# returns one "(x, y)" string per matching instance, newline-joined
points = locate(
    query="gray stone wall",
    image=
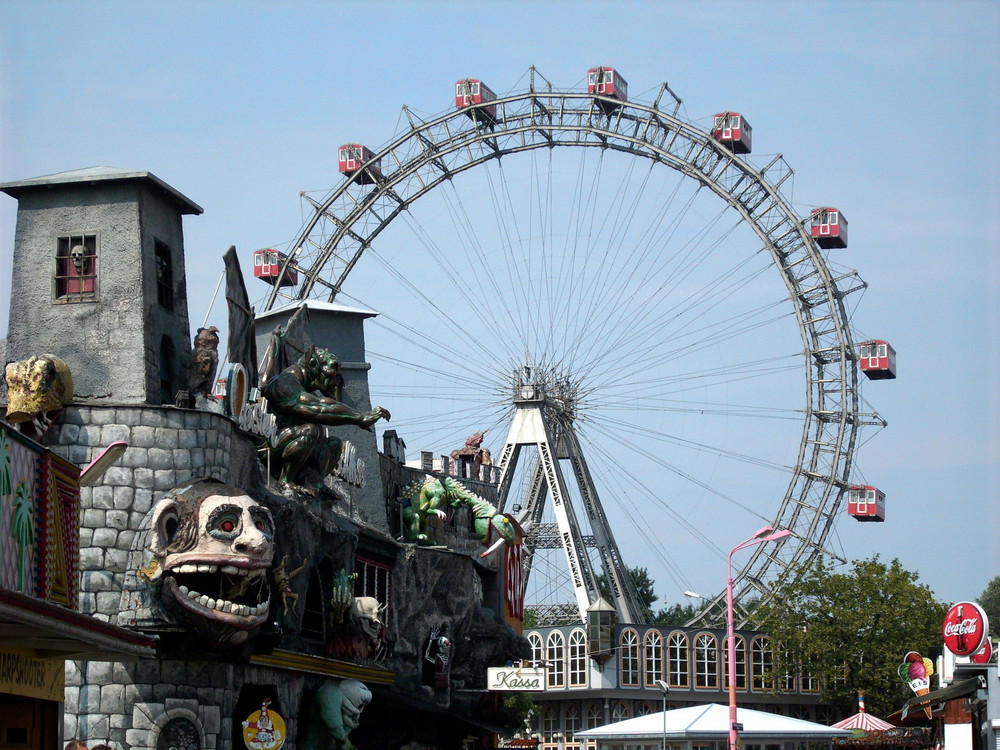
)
(166, 446)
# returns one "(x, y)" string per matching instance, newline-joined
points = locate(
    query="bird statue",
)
(204, 361)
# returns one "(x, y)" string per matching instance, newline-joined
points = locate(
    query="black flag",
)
(242, 336)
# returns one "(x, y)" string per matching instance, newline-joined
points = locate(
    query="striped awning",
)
(863, 721)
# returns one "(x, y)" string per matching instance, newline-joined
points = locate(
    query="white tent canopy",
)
(711, 722)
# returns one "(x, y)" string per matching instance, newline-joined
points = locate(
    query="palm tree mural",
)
(22, 528)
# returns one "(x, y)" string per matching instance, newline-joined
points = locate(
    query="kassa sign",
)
(965, 628)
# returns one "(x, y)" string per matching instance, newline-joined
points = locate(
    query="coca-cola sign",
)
(985, 654)
(965, 628)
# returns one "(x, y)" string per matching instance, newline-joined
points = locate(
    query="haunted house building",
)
(346, 607)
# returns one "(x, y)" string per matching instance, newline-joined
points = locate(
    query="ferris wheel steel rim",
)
(431, 152)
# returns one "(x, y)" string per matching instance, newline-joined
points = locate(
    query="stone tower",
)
(98, 280)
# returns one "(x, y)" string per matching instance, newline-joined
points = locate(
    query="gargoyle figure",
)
(283, 583)
(334, 711)
(434, 496)
(36, 387)
(212, 545)
(204, 362)
(303, 398)
(364, 635)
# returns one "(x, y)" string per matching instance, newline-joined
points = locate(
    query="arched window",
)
(629, 657)
(762, 663)
(555, 655)
(571, 720)
(789, 681)
(810, 683)
(550, 723)
(740, 649)
(652, 650)
(643, 709)
(578, 658)
(537, 653)
(706, 661)
(678, 660)
(619, 712)
(595, 716)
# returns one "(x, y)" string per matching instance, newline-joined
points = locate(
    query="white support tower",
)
(543, 418)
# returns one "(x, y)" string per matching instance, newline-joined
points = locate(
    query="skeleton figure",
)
(335, 711)
(213, 547)
(437, 659)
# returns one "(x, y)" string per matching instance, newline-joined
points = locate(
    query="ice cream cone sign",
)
(916, 671)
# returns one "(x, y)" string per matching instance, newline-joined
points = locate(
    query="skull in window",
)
(78, 254)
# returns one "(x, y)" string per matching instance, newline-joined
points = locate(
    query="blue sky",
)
(884, 109)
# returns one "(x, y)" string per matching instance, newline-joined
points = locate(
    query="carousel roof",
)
(863, 721)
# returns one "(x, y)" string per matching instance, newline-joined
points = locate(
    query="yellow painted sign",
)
(264, 729)
(24, 673)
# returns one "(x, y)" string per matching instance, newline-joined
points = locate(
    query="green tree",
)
(989, 600)
(676, 615)
(852, 629)
(643, 587)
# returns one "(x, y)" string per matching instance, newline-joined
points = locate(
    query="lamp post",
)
(664, 688)
(766, 534)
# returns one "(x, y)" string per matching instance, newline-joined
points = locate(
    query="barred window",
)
(76, 268)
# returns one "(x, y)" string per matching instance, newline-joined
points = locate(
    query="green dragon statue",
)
(434, 496)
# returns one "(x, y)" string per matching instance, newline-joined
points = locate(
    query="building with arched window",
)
(582, 693)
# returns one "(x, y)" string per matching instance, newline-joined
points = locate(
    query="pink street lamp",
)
(766, 534)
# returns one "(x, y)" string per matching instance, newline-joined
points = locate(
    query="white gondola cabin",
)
(866, 503)
(828, 227)
(267, 265)
(607, 82)
(733, 131)
(877, 360)
(471, 92)
(359, 162)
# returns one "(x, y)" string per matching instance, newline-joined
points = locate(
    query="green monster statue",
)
(334, 711)
(434, 496)
(303, 398)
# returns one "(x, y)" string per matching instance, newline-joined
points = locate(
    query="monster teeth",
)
(193, 568)
(193, 595)
(183, 590)
(232, 570)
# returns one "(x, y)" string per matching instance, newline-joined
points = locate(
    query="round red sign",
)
(985, 654)
(965, 628)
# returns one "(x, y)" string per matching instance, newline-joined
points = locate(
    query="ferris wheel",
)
(643, 265)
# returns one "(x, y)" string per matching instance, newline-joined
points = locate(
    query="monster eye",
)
(224, 523)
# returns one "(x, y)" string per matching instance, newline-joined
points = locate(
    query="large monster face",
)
(214, 547)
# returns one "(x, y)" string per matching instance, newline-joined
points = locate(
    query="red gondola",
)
(733, 131)
(359, 161)
(828, 227)
(607, 82)
(470, 92)
(267, 265)
(878, 360)
(866, 503)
